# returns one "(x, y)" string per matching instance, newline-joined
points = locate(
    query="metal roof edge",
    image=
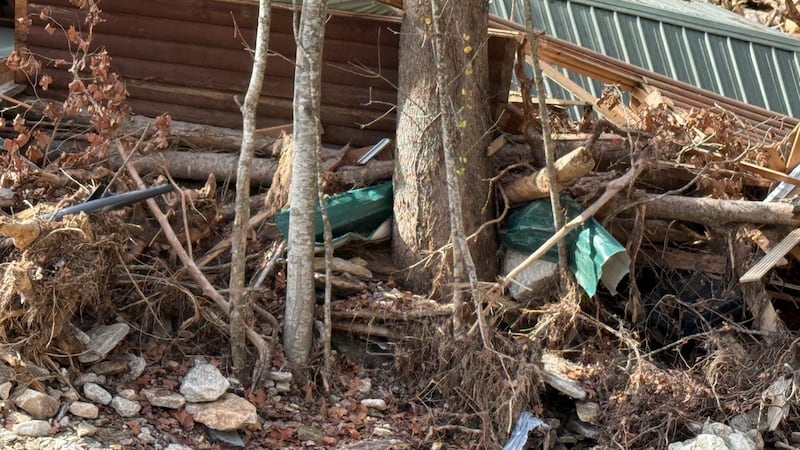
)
(764, 37)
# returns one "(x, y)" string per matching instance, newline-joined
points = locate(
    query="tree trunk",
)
(422, 225)
(299, 319)
(241, 306)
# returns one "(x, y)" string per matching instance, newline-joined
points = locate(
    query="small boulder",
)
(125, 407)
(374, 403)
(37, 404)
(164, 398)
(136, 367)
(229, 413)
(84, 410)
(102, 340)
(33, 428)
(110, 368)
(96, 393)
(203, 383)
(85, 429)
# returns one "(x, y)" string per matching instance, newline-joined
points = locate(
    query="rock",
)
(146, 436)
(110, 368)
(103, 339)
(583, 429)
(794, 438)
(5, 390)
(308, 433)
(283, 386)
(231, 438)
(84, 410)
(177, 447)
(203, 383)
(587, 411)
(365, 386)
(128, 394)
(164, 398)
(85, 429)
(229, 413)
(374, 403)
(96, 393)
(734, 440)
(280, 376)
(7, 437)
(37, 404)
(538, 277)
(34, 428)
(136, 367)
(70, 396)
(125, 407)
(90, 377)
(702, 442)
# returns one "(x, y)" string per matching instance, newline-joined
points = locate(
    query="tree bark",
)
(241, 308)
(422, 224)
(299, 318)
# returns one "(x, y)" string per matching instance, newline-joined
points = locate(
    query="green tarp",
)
(595, 255)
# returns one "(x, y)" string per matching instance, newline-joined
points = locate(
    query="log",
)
(709, 211)
(569, 167)
(367, 174)
(608, 149)
(683, 260)
(199, 136)
(199, 165)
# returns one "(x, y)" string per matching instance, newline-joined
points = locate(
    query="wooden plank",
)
(615, 117)
(774, 256)
(794, 153)
(516, 98)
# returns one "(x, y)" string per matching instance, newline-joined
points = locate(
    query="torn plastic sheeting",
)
(519, 436)
(594, 255)
(359, 214)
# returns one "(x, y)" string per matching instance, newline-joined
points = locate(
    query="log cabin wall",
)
(184, 57)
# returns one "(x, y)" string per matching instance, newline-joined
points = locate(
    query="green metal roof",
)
(698, 43)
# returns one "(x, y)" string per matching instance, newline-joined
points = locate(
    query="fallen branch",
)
(367, 330)
(264, 351)
(569, 167)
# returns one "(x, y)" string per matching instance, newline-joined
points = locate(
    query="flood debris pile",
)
(673, 324)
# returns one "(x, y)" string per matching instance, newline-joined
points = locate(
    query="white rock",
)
(37, 404)
(177, 447)
(276, 375)
(90, 377)
(365, 386)
(125, 407)
(103, 339)
(146, 436)
(35, 428)
(230, 412)
(374, 403)
(85, 410)
(164, 398)
(96, 393)
(71, 396)
(538, 277)
(283, 386)
(203, 383)
(702, 442)
(5, 390)
(128, 394)
(85, 429)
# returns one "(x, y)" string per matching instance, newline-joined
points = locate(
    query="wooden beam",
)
(615, 116)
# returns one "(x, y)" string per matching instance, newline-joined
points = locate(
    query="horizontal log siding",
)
(182, 57)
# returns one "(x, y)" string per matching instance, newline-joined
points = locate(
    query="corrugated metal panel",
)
(698, 43)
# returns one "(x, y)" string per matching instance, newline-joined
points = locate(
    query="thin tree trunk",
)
(241, 307)
(547, 137)
(299, 318)
(462, 258)
(422, 225)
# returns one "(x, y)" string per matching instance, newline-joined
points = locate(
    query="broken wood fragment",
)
(340, 265)
(569, 167)
(690, 261)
